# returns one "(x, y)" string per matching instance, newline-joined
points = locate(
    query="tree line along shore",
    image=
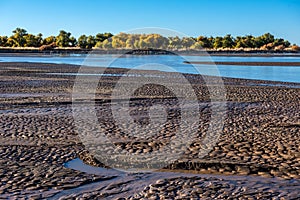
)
(22, 41)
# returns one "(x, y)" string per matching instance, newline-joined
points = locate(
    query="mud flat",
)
(256, 156)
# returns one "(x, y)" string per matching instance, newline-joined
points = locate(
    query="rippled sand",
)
(257, 155)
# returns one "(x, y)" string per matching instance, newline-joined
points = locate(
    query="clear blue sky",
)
(194, 18)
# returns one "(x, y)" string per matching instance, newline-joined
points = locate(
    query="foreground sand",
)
(260, 138)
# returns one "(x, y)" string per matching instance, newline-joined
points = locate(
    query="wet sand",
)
(260, 140)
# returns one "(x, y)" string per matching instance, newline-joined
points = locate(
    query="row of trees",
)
(21, 38)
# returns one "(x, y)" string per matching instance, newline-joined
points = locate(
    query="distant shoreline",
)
(225, 52)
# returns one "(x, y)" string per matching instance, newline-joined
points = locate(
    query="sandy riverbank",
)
(261, 137)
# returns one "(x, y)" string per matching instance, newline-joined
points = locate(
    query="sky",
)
(191, 17)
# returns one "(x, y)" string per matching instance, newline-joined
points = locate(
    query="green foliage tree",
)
(82, 42)
(130, 42)
(18, 37)
(100, 37)
(119, 41)
(91, 41)
(106, 44)
(39, 39)
(217, 43)
(49, 40)
(11, 42)
(3, 41)
(63, 39)
(99, 44)
(286, 43)
(239, 42)
(280, 41)
(30, 41)
(187, 42)
(156, 41)
(136, 44)
(175, 43)
(264, 39)
(197, 46)
(249, 41)
(116, 43)
(267, 38)
(228, 41)
(20, 31)
(73, 42)
(142, 44)
(204, 42)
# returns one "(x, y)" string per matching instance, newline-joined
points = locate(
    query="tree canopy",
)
(21, 38)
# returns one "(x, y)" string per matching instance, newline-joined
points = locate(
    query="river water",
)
(175, 64)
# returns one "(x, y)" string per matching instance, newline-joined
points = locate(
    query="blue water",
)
(247, 59)
(175, 64)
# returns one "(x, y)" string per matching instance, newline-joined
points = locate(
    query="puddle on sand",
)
(128, 184)
(79, 165)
